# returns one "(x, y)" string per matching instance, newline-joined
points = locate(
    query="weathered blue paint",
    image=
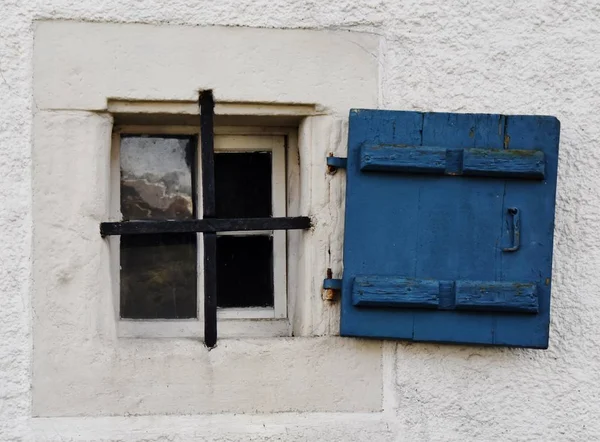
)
(395, 292)
(440, 160)
(504, 163)
(449, 228)
(402, 158)
(497, 296)
(516, 230)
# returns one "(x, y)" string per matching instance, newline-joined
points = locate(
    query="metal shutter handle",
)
(516, 221)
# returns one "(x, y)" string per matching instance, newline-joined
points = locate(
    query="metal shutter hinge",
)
(335, 163)
(331, 287)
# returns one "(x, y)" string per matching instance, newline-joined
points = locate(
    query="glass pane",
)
(243, 184)
(158, 272)
(158, 276)
(245, 271)
(156, 177)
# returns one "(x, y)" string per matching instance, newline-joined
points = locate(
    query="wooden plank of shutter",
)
(507, 163)
(501, 163)
(389, 291)
(402, 158)
(497, 296)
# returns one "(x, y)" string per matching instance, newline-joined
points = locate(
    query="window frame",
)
(232, 322)
(231, 144)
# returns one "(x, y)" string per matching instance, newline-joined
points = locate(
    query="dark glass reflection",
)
(158, 272)
(243, 184)
(158, 276)
(156, 177)
(245, 271)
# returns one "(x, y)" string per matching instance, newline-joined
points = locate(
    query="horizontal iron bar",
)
(203, 225)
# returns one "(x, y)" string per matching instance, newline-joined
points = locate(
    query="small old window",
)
(161, 274)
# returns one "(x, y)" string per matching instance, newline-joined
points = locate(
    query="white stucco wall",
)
(478, 56)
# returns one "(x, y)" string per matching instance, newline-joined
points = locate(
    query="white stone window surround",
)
(232, 322)
(81, 367)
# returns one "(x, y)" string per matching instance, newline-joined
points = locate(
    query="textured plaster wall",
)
(77, 354)
(481, 56)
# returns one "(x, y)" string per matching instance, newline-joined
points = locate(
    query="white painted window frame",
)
(276, 145)
(232, 322)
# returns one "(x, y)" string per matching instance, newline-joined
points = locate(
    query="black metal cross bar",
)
(209, 225)
(209, 206)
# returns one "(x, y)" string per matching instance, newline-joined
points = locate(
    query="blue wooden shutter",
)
(449, 227)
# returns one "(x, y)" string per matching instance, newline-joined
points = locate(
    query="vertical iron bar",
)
(210, 289)
(193, 160)
(207, 107)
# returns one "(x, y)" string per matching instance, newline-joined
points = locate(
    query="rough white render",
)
(78, 355)
(482, 56)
